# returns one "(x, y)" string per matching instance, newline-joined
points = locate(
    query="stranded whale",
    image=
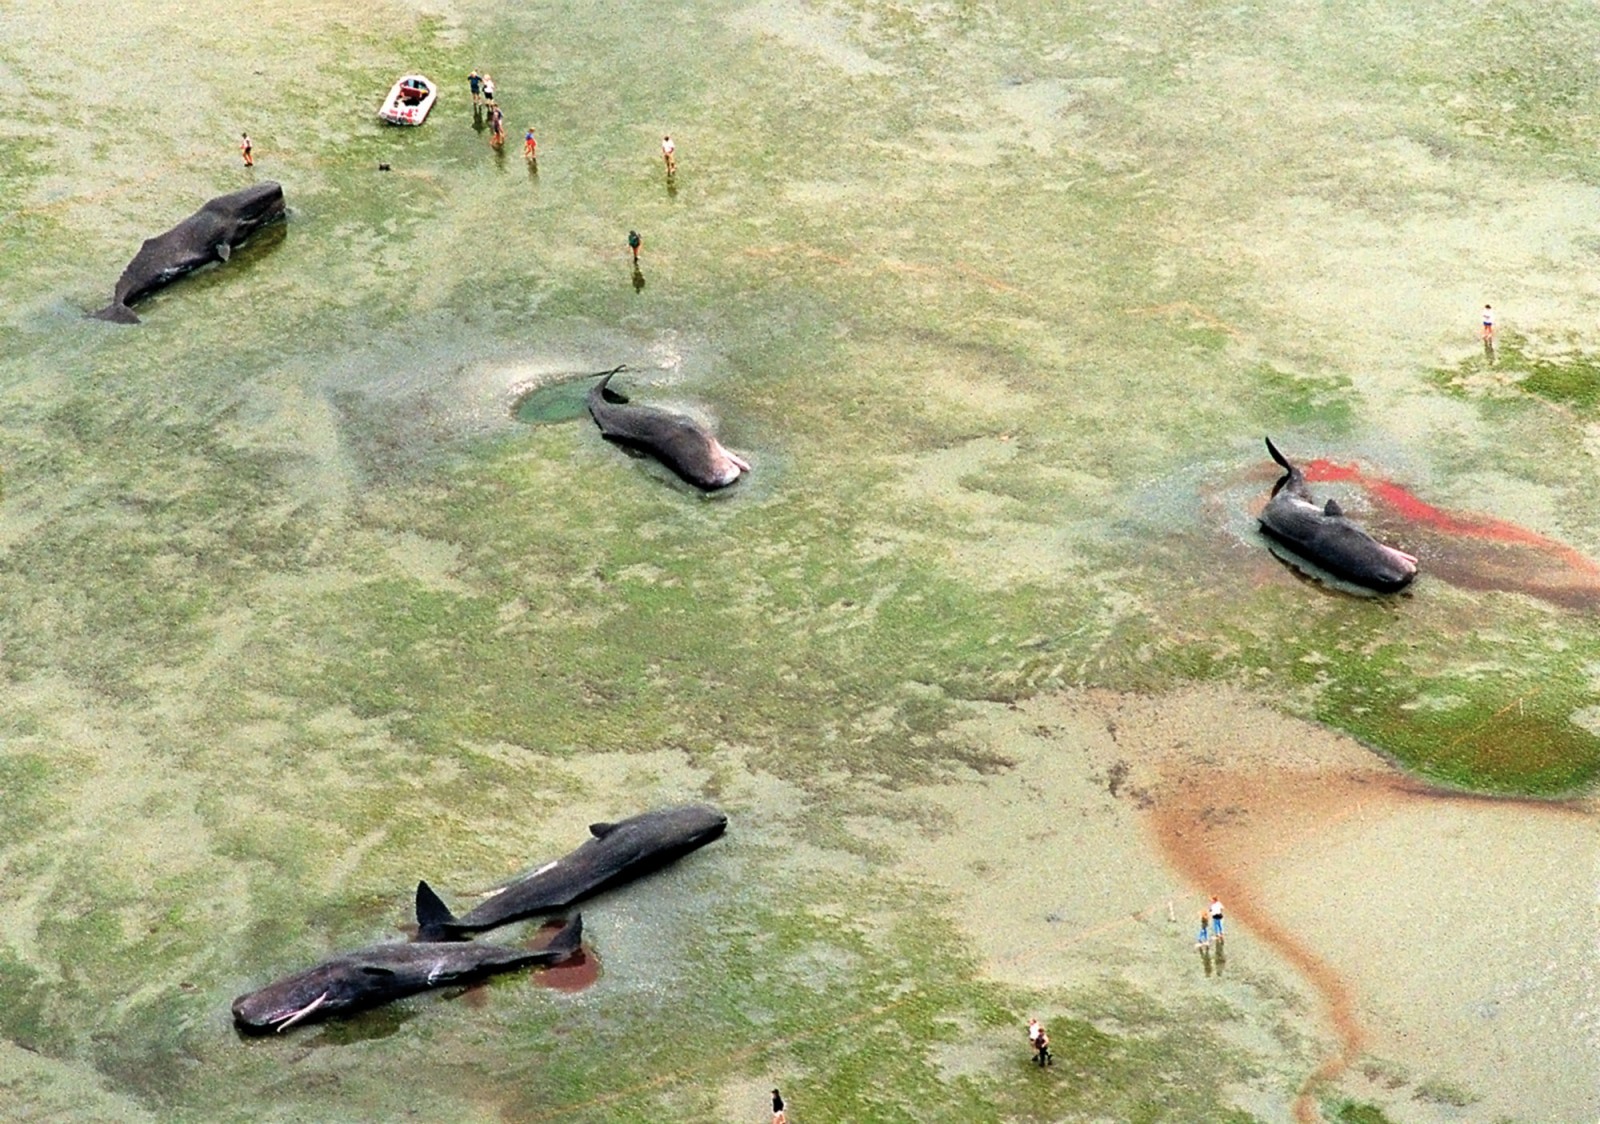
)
(677, 441)
(1322, 534)
(370, 977)
(616, 853)
(208, 235)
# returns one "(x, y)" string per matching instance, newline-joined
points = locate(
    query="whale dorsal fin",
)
(117, 313)
(432, 913)
(601, 830)
(375, 970)
(1332, 510)
(224, 251)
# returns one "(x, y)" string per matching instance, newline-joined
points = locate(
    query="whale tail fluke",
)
(603, 388)
(1291, 478)
(117, 313)
(1279, 457)
(435, 922)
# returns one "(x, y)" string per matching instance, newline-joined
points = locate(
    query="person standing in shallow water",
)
(247, 150)
(1038, 1042)
(475, 81)
(634, 242)
(669, 153)
(778, 1116)
(1216, 916)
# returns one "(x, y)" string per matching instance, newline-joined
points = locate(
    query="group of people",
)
(482, 86)
(482, 89)
(1039, 1043)
(1210, 931)
(1210, 925)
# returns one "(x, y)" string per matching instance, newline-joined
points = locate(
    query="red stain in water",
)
(574, 973)
(1405, 504)
(1476, 551)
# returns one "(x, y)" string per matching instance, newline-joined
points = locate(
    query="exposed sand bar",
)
(1444, 942)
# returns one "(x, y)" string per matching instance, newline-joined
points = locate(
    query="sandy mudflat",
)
(1428, 952)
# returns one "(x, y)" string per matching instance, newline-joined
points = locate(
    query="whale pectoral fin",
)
(1332, 510)
(601, 830)
(615, 397)
(224, 251)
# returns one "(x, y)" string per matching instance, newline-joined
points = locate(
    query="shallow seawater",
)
(555, 402)
(998, 300)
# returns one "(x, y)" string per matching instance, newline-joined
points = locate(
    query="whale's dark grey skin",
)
(677, 441)
(616, 853)
(208, 235)
(1322, 534)
(370, 977)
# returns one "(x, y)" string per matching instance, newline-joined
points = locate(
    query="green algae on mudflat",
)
(1568, 379)
(1357, 1112)
(325, 718)
(1494, 707)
